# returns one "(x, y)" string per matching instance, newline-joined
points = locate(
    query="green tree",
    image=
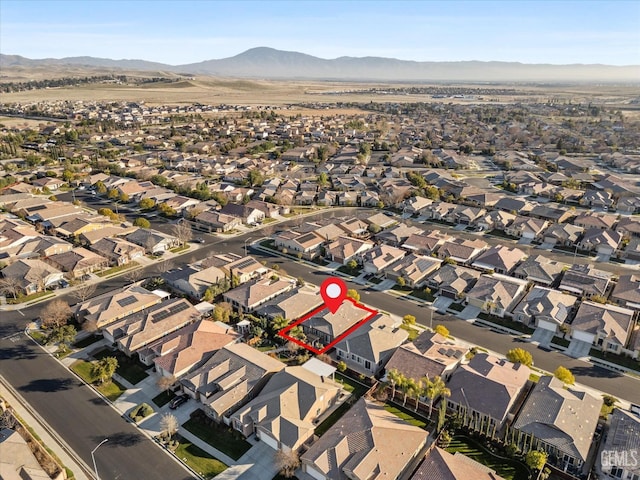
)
(123, 197)
(101, 188)
(104, 368)
(442, 415)
(256, 178)
(434, 388)
(342, 366)
(352, 293)
(401, 282)
(222, 312)
(536, 459)
(564, 375)
(323, 179)
(142, 222)
(520, 355)
(63, 335)
(113, 194)
(409, 320)
(352, 265)
(147, 204)
(442, 330)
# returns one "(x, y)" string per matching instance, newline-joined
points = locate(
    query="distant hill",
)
(268, 63)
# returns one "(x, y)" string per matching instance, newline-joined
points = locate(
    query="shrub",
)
(141, 411)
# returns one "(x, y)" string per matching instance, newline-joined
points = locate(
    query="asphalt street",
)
(83, 419)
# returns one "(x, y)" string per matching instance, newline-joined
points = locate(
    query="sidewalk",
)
(51, 440)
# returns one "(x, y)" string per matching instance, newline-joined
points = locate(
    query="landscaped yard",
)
(86, 341)
(351, 386)
(199, 460)
(163, 398)
(405, 414)
(508, 469)
(112, 389)
(38, 336)
(328, 422)
(128, 368)
(224, 438)
(179, 249)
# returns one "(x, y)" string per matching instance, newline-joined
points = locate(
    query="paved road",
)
(83, 420)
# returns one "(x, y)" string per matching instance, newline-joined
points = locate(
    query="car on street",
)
(198, 240)
(179, 400)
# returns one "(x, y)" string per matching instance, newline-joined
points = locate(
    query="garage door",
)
(268, 440)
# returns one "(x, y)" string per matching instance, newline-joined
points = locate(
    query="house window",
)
(616, 472)
(367, 364)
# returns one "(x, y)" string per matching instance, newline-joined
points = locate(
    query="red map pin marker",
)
(333, 291)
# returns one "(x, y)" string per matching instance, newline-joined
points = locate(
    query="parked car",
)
(198, 240)
(177, 401)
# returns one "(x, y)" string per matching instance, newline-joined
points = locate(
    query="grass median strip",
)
(111, 389)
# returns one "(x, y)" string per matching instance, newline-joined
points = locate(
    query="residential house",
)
(442, 465)
(193, 281)
(589, 220)
(344, 249)
(425, 243)
(495, 220)
(249, 296)
(243, 269)
(368, 349)
(152, 240)
(629, 227)
(526, 227)
(453, 281)
(380, 257)
(560, 421)
(137, 330)
(586, 281)
(562, 234)
(545, 308)
(248, 215)
(72, 227)
(514, 205)
(381, 220)
(550, 213)
(416, 205)
(213, 221)
(413, 269)
(461, 250)
(285, 413)
(32, 275)
(604, 242)
(597, 198)
(89, 238)
(499, 259)
(17, 460)
(607, 327)
(539, 269)
(628, 204)
(496, 294)
(307, 245)
(354, 227)
(464, 215)
(619, 443)
(632, 250)
(117, 250)
(234, 375)
(188, 347)
(48, 183)
(324, 327)
(430, 355)
(396, 236)
(367, 442)
(181, 204)
(77, 262)
(627, 292)
(114, 305)
(485, 391)
(293, 304)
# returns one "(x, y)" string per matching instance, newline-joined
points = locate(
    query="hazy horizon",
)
(177, 33)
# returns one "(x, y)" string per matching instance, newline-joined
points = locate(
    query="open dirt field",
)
(211, 90)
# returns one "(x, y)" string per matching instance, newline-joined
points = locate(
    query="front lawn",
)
(421, 294)
(508, 469)
(163, 398)
(221, 437)
(128, 368)
(354, 272)
(38, 336)
(198, 460)
(111, 389)
(179, 249)
(114, 270)
(30, 298)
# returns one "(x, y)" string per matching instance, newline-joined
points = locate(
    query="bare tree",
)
(165, 383)
(183, 232)
(55, 314)
(7, 420)
(133, 274)
(84, 291)
(165, 266)
(10, 286)
(169, 424)
(287, 462)
(90, 326)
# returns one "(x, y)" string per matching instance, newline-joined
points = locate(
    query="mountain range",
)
(269, 63)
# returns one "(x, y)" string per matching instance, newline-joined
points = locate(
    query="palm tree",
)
(395, 378)
(416, 390)
(433, 389)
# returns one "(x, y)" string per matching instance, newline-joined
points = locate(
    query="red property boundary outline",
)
(283, 332)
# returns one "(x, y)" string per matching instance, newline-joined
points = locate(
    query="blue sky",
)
(557, 32)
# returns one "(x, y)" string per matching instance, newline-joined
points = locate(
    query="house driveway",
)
(469, 312)
(257, 464)
(442, 303)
